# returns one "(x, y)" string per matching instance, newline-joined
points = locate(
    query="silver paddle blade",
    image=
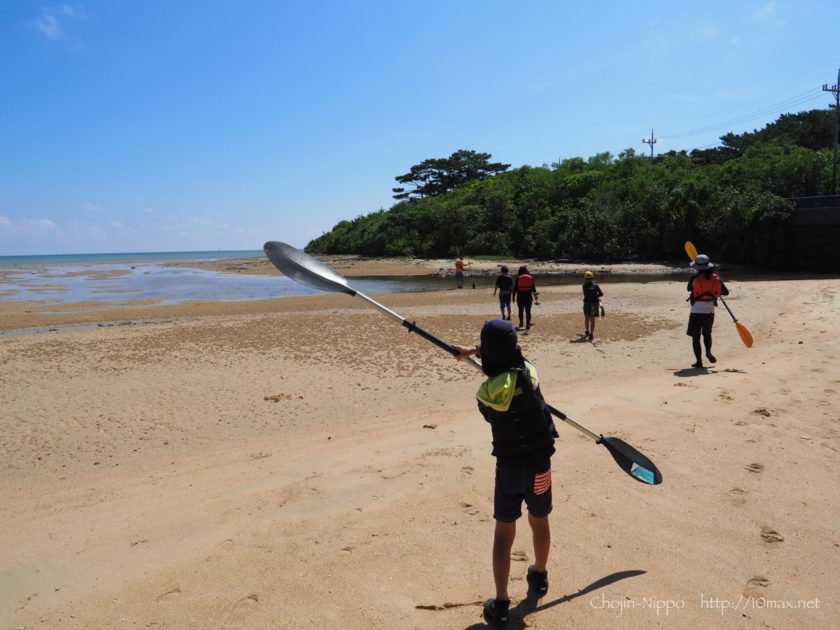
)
(301, 267)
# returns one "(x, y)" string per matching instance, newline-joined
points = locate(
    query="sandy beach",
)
(307, 463)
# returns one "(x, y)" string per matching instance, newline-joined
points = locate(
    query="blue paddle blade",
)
(303, 268)
(642, 474)
(632, 461)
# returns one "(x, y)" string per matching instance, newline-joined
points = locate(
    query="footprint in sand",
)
(770, 536)
(470, 509)
(725, 394)
(519, 556)
(175, 590)
(762, 411)
(754, 468)
(245, 605)
(738, 496)
(755, 585)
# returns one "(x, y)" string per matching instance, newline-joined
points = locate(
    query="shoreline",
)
(355, 266)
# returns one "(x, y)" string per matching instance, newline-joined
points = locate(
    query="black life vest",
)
(591, 292)
(525, 429)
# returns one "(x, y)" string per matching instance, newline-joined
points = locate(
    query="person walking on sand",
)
(504, 285)
(459, 271)
(592, 295)
(704, 289)
(523, 443)
(524, 292)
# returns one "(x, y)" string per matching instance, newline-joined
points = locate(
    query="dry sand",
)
(306, 463)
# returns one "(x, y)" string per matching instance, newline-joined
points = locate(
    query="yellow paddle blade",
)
(745, 334)
(690, 250)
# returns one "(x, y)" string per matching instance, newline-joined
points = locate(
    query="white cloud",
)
(88, 205)
(708, 31)
(210, 224)
(49, 24)
(76, 11)
(44, 224)
(27, 235)
(768, 11)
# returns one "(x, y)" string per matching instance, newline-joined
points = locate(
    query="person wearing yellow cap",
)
(591, 301)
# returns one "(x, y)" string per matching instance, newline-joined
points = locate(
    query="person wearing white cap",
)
(704, 289)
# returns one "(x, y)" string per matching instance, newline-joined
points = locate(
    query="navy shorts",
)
(515, 484)
(504, 299)
(590, 309)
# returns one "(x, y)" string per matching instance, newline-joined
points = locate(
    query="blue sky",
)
(181, 125)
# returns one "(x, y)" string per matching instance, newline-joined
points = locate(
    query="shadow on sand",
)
(688, 372)
(530, 605)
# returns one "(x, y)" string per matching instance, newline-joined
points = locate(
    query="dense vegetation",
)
(732, 200)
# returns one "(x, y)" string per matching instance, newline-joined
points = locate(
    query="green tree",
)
(732, 199)
(438, 176)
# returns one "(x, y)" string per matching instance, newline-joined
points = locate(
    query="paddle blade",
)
(632, 461)
(690, 250)
(745, 334)
(303, 268)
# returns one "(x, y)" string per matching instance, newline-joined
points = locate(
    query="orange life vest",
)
(705, 288)
(524, 283)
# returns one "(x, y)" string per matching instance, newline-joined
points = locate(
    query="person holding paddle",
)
(523, 443)
(704, 288)
(460, 265)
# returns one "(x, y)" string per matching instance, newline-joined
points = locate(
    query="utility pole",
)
(834, 89)
(652, 140)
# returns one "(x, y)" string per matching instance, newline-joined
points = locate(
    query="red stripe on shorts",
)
(542, 482)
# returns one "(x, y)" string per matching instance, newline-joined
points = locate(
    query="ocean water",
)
(136, 257)
(146, 276)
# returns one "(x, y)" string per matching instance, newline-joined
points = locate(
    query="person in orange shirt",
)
(704, 290)
(459, 271)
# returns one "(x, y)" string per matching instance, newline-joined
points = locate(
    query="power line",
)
(834, 89)
(809, 82)
(782, 106)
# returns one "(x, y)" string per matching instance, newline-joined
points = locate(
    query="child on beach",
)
(592, 295)
(504, 285)
(523, 443)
